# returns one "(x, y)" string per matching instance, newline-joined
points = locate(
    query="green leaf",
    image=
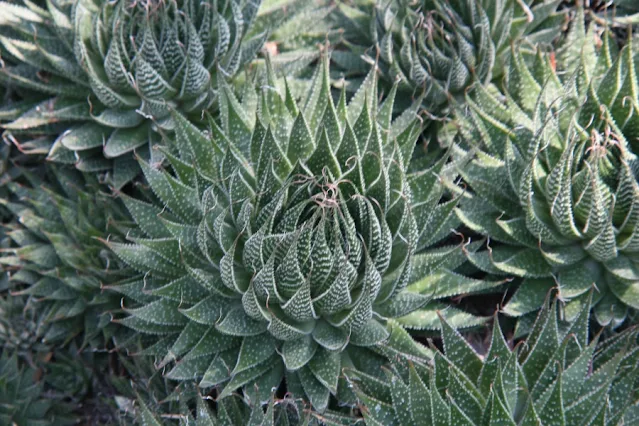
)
(459, 352)
(542, 344)
(426, 318)
(249, 375)
(237, 323)
(553, 411)
(370, 334)
(323, 157)
(301, 144)
(162, 312)
(526, 263)
(205, 153)
(148, 419)
(529, 297)
(145, 260)
(191, 334)
(254, 351)
(204, 415)
(297, 353)
(329, 337)
(317, 393)
(401, 400)
(207, 311)
(85, 136)
(325, 366)
(446, 284)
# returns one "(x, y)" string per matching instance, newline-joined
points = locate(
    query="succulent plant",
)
(559, 375)
(233, 410)
(22, 398)
(20, 329)
(105, 74)
(145, 397)
(554, 179)
(55, 258)
(193, 234)
(302, 245)
(44, 385)
(441, 47)
(297, 29)
(617, 13)
(70, 379)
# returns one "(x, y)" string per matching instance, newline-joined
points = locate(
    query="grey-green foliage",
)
(15, 158)
(22, 398)
(291, 242)
(143, 396)
(620, 13)
(297, 29)
(441, 47)
(139, 390)
(603, 74)
(554, 177)
(234, 410)
(99, 77)
(41, 383)
(20, 329)
(53, 256)
(11, 170)
(558, 376)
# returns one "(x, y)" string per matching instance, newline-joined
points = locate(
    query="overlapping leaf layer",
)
(442, 47)
(559, 377)
(99, 78)
(288, 240)
(554, 177)
(53, 256)
(21, 399)
(193, 234)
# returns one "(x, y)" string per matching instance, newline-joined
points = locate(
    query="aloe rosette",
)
(53, 255)
(288, 246)
(441, 47)
(100, 77)
(554, 179)
(558, 375)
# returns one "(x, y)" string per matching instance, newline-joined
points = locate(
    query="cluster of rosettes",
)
(556, 186)
(443, 47)
(268, 243)
(100, 78)
(561, 376)
(54, 261)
